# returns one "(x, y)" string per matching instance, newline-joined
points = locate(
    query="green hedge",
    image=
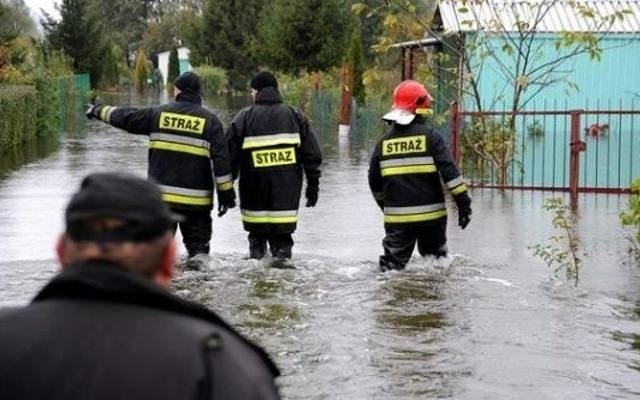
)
(18, 115)
(212, 79)
(42, 110)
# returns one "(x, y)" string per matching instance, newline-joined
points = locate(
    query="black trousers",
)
(399, 243)
(196, 230)
(280, 244)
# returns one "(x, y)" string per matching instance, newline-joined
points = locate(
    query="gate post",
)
(576, 146)
(455, 131)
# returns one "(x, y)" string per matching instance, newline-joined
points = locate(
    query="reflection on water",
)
(12, 159)
(490, 323)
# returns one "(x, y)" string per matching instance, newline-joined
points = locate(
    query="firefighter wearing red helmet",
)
(407, 169)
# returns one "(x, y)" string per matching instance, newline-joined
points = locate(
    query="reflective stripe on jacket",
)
(405, 175)
(184, 140)
(270, 145)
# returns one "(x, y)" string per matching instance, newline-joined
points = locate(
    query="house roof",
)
(541, 15)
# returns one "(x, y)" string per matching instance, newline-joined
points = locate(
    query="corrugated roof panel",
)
(555, 16)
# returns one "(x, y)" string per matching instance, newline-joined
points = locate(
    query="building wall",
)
(615, 77)
(163, 62)
(613, 83)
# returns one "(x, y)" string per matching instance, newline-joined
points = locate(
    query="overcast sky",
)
(46, 5)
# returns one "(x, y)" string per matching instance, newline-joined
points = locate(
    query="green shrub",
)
(18, 115)
(50, 104)
(303, 90)
(141, 71)
(631, 217)
(565, 252)
(212, 79)
(174, 69)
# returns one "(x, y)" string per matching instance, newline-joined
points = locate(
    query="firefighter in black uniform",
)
(106, 327)
(271, 144)
(405, 175)
(184, 140)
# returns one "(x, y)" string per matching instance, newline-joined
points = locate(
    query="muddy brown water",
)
(489, 322)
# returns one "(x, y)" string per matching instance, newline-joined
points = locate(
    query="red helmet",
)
(409, 98)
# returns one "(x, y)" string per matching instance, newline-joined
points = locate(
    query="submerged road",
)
(490, 322)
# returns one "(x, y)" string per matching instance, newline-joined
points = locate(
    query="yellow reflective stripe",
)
(410, 169)
(179, 138)
(190, 200)
(180, 148)
(269, 219)
(103, 113)
(427, 216)
(251, 142)
(459, 189)
(225, 186)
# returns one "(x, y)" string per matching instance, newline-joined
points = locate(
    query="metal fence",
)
(590, 150)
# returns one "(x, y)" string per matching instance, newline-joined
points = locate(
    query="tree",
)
(222, 38)
(174, 67)
(113, 65)
(15, 20)
(303, 35)
(122, 22)
(141, 71)
(355, 62)
(78, 35)
(384, 23)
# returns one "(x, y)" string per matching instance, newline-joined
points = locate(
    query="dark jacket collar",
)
(106, 281)
(189, 98)
(268, 95)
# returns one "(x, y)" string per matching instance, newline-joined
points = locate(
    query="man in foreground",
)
(185, 139)
(107, 328)
(271, 144)
(405, 175)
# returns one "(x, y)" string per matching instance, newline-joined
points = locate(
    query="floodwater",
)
(490, 322)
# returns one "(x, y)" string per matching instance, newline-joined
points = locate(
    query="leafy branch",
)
(631, 218)
(564, 253)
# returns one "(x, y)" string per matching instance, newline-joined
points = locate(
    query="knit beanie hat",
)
(188, 83)
(262, 80)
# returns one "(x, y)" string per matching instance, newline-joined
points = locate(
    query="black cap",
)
(263, 79)
(117, 207)
(188, 83)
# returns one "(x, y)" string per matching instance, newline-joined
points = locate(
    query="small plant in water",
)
(564, 253)
(631, 218)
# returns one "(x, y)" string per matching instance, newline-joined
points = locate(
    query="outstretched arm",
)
(138, 121)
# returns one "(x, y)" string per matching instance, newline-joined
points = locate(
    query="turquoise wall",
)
(613, 83)
(184, 66)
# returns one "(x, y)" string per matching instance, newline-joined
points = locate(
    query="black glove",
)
(226, 200)
(463, 201)
(90, 113)
(312, 196)
(312, 191)
(92, 106)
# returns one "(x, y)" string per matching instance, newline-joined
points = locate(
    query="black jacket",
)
(405, 175)
(184, 139)
(97, 332)
(270, 145)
